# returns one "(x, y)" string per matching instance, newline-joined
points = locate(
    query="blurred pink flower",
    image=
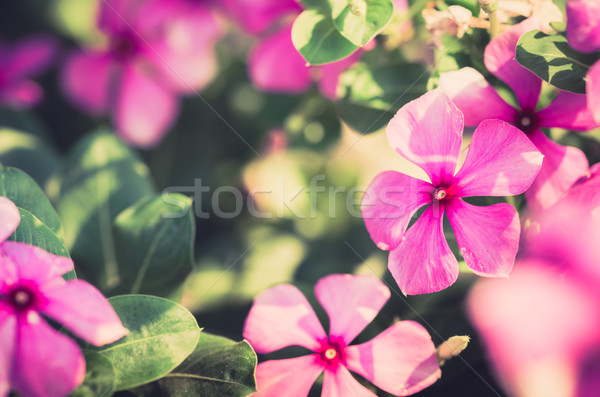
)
(18, 64)
(469, 90)
(156, 51)
(401, 360)
(257, 16)
(501, 161)
(35, 359)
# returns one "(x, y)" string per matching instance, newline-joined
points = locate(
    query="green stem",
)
(494, 26)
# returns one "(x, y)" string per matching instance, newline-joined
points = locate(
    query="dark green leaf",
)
(99, 376)
(359, 21)
(161, 335)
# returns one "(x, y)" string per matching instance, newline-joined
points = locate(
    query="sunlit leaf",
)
(359, 21)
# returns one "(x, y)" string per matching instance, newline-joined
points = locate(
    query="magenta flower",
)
(501, 161)
(18, 64)
(476, 98)
(35, 359)
(156, 51)
(257, 16)
(401, 360)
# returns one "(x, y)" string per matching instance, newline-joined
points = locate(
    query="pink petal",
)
(389, 203)
(87, 78)
(255, 16)
(46, 362)
(275, 65)
(29, 57)
(501, 161)
(583, 25)
(338, 382)
(562, 166)
(330, 74)
(569, 111)
(401, 360)
(145, 110)
(351, 302)
(500, 60)
(475, 97)
(9, 218)
(488, 237)
(84, 311)
(592, 87)
(423, 262)
(22, 94)
(8, 326)
(118, 16)
(34, 263)
(287, 378)
(281, 317)
(428, 132)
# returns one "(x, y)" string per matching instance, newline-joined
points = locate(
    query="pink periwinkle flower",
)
(478, 100)
(35, 359)
(18, 63)
(401, 360)
(156, 50)
(501, 161)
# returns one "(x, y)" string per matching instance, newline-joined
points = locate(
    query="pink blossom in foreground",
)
(501, 161)
(35, 359)
(18, 64)
(476, 98)
(401, 360)
(156, 51)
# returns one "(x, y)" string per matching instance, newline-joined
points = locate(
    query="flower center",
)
(123, 47)
(526, 121)
(22, 297)
(332, 351)
(440, 193)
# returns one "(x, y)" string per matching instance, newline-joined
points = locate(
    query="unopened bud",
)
(452, 348)
(489, 6)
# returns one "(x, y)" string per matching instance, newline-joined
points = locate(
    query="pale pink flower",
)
(401, 360)
(501, 161)
(35, 359)
(478, 100)
(18, 63)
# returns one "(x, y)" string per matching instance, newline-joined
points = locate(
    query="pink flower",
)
(157, 50)
(256, 16)
(469, 90)
(35, 359)
(18, 64)
(501, 161)
(401, 360)
(583, 25)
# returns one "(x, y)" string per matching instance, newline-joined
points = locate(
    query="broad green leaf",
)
(161, 335)
(317, 39)
(154, 240)
(552, 60)
(471, 5)
(218, 367)
(372, 95)
(361, 20)
(99, 376)
(100, 178)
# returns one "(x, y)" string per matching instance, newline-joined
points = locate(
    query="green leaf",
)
(552, 60)
(161, 335)
(218, 367)
(372, 94)
(317, 39)
(99, 376)
(361, 20)
(100, 178)
(155, 240)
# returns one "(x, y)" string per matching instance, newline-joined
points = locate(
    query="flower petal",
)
(8, 326)
(423, 262)
(329, 74)
(85, 311)
(275, 65)
(583, 25)
(501, 161)
(562, 166)
(144, 110)
(22, 94)
(255, 16)
(34, 263)
(401, 360)
(488, 237)
(47, 363)
(351, 302)
(428, 132)
(118, 16)
(29, 57)
(281, 317)
(592, 87)
(9, 218)
(569, 111)
(388, 204)
(475, 97)
(338, 382)
(287, 378)
(500, 60)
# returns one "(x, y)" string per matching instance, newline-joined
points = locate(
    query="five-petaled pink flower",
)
(157, 50)
(476, 98)
(501, 161)
(18, 64)
(35, 359)
(401, 360)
